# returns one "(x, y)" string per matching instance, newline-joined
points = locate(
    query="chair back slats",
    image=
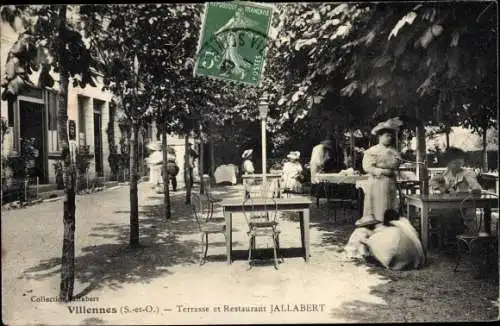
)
(260, 209)
(463, 212)
(202, 208)
(257, 188)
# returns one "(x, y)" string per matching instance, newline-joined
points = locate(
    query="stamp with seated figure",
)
(233, 41)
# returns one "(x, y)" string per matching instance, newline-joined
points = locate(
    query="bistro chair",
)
(259, 189)
(468, 244)
(203, 212)
(263, 222)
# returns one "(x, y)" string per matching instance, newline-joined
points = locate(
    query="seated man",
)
(456, 179)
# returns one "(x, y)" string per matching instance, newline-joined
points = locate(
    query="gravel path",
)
(164, 275)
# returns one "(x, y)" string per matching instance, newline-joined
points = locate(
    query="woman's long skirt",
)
(381, 195)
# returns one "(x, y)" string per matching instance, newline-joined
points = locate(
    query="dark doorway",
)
(32, 126)
(98, 144)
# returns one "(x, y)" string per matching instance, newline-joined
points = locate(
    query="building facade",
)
(34, 115)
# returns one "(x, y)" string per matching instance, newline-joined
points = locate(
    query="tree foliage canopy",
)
(352, 62)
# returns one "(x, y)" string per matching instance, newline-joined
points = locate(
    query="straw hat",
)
(247, 153)
(294, 155)
(327, 143)
(154, 146)
(391, 124)
(366, 221)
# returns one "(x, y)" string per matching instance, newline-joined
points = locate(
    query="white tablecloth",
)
(226, 173)
(340, 178)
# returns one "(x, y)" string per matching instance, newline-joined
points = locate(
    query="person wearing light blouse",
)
(456, 179)
(381, 162)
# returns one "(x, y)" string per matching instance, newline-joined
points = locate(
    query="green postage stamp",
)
(233, 41)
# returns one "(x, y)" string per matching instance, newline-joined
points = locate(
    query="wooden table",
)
(294, 204)
(325, 179)
(449, 201)
(340, 178)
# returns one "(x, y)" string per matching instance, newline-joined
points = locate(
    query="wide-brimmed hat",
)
(366, 221)
(452, 154)
(247, 153)
(392, 124)
(294, 155)
(154, 146)
(327, 143)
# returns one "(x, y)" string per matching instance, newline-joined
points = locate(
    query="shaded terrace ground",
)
(165, 272)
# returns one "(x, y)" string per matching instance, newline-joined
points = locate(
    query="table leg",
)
(229, 235)
(424, 227)
(361, 201)
(319, 186)
(304, 230)
(487, 220)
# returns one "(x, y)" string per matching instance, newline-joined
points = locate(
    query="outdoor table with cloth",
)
(407, 185)
(294, 204)
(449, 201)
(327, 179)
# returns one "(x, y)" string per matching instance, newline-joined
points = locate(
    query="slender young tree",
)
(47, 40)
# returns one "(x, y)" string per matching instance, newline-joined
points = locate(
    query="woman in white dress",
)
(292, 173)
(381, 163)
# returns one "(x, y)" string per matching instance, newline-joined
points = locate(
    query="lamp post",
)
(263, 110)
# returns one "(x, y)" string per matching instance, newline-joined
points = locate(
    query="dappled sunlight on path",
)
(165, 272)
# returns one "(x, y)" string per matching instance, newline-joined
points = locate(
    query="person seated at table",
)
(455, 180)
(292, 173)
(355, 249)
(246, 169)
(381, 162)
(395, 243)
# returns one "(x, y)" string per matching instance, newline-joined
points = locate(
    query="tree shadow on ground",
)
(163, 245)
(433, 293)
(115, 264)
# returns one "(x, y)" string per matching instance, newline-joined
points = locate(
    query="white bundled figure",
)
(355, 247)
(154, 161)
(292, 173)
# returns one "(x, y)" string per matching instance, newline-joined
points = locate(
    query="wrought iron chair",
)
(485, 242)
(262, 221)
(203, 212)
(259, 189)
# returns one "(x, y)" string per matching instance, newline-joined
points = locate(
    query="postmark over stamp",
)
(233, 41)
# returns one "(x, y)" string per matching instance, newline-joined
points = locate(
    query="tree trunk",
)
(134, 201)
(68, 248)
(166, 178)
(201, 166)
(447, 139)
(422, 157)
(187, 171)
(212, 155)
(485, 150)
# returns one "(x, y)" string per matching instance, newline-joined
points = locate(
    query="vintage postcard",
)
(249, 163)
